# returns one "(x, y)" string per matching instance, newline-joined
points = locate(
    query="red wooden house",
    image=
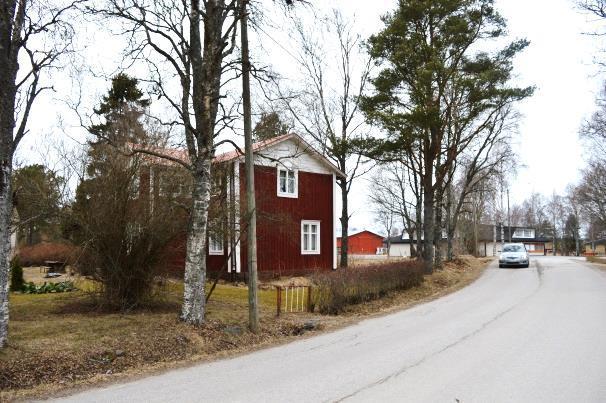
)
(363, 243)
(296, 210)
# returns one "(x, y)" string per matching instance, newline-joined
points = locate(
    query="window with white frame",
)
(523, 233)
(287, 182)
(310, 237)
(215, 244)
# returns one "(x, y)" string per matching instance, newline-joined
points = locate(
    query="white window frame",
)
(295, 172)
(318, 248)
(524, 233)
(213, 241)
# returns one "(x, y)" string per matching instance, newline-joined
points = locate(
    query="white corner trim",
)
(237, 217)
(318, 244)
(334, 219)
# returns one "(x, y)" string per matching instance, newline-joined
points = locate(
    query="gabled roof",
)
(361, 232)
(258, 146)
(182, 154)
(265, 144)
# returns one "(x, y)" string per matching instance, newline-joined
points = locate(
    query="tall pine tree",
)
(433, 82)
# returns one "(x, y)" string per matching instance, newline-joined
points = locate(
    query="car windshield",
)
(513, 248)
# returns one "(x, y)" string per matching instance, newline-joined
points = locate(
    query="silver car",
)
(514, 254)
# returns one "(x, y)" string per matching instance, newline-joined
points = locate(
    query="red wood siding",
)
(362, 243)
(279, 222)
(278, 228)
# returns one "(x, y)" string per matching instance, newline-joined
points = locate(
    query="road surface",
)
(515, 335)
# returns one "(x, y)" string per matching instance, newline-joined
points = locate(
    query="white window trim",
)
(521, 233)
(311, 252)
(211, 250)
(286, 194)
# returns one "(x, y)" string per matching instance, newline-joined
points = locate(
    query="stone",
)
(310, 325)
(233, 330)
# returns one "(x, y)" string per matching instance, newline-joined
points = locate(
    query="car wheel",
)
(527, 265)
(500, 266)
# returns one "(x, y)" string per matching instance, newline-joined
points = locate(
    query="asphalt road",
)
(515, 335)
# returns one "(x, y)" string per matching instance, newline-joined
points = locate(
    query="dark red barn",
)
(363, 243)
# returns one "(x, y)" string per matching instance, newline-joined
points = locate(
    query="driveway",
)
(515, 335)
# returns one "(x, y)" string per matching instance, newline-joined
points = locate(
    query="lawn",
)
(63, 337)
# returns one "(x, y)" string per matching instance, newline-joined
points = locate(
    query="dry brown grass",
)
(596, 259)
(361, 261)
(59, 341)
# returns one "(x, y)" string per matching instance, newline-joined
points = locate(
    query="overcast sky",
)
(559, 62)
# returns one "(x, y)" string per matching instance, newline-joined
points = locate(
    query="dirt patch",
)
(59, 343)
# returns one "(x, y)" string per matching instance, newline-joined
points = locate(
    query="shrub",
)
(36, 255)
(16, 275)
(334, 291)
(64, 286)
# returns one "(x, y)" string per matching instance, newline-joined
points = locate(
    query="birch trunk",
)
(6, 207)
(195, 257)
(450, 225)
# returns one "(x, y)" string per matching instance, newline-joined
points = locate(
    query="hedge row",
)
(334, 291)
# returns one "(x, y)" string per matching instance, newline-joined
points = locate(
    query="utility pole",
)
(554, 235)
(494, 229)
(577, 235)
(475, 229)
(494, 239)
(508, 216)
(251, 230)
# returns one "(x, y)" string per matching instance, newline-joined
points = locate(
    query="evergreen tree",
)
(123, 230)
(270, 125)
(37, 197)
(435, 89)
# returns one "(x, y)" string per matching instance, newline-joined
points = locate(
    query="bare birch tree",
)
(325, 108)
(33, 37)
(482, 151)
(395, 189)
(185, 44)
